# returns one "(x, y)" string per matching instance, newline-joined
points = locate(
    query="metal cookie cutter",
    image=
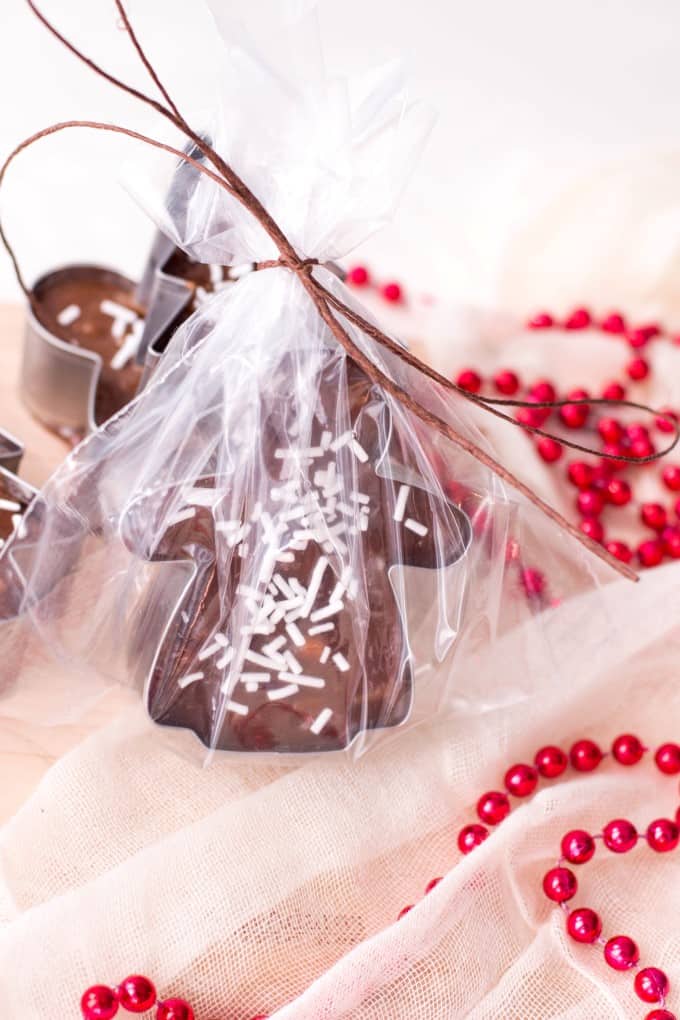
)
(16, 496)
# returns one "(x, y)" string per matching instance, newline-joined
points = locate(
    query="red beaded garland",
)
(549, 449)
(506, 382)
(541, 321)
(622, 551)
(521, 780)
(584, 925)
(493, 807)
(621, 953)
(580, 474)
(638, 369)
(585, 756)
(654, 516)
(590, 503)
(628, 749)
(618, 492)
(136, 994)
(593, 528)
(671, 542)
(578, 846)
(432, 884)
(404, 911)
(579, 319)
(620, 836)
(650, 553)
(560, 885)
(614, 323)
(663, 835)
(469, 380)
(551, 762)
(671, 477)
(392, 292)
(651, 984)
(359, 276)
(99, 1003)
(174, 1009)
(660, 1014)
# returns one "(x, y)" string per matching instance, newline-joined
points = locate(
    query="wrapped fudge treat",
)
(294, 539)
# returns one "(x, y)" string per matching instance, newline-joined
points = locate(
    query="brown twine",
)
(324, 301)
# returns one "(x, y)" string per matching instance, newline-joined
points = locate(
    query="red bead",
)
(614, 323)
(637, 338)
(610, 429)
(579, 319)
(521, 780)
(660, 1014)
(174, 1009)
(654, 516)
(603, 472)
(358, 276)
(432, 884)
(618, 492)
(663, 424)
(671, 477)
(392, 292)
(651, 984)
(637, 369)
(532, 416)
(671, 542)
(541, 321)
(560, 885)
(585, 756)
(574, 415)
(551, 762)
(650, 553)
(676, 507)
(590, 503)
(506, 382)
(627, 749)
(593, 528)
(543, 392)
(620, 836)
(621, 953)
(584, 925)
(404, 911)
(549, 449)
(533, 581)
(99, 1003)
(136, 994)
(469, 380)
(663, 835)
(614, 391)
(261, 1016)
(470, 837)
(620, 550)
(667, 759)
(580, 474)
(493, 807)
(641, 448)
(578, 846)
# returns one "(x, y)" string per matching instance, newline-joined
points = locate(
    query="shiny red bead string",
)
(598, 483)
(578, 846)
(136, 994)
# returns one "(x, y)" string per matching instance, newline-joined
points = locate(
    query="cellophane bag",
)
(280, 565)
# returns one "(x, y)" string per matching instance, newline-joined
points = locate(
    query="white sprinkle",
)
(249, 592)
(298, 588)
(321, 628)
(10, 506)
(67, 316)
(314, 585)
(326, 440)
(208, 652)
(359, 451)
(260, 660)
(182, 515)
(325, 655)
(216, 275)
(303, 681)
(257, 512)
(252, 688)
(190, 679)
(348, 511)
(359, 497)
(363, 523)
(415, 527)
(227, 526)
(341, 662)
(221, 640)
(303, 536)
(201, 496)
(330, 610)
(185, 617)
(291, 515)
(285, 557)
(128, 350)
(293, 665)
(400, 505)
(255, 678)
(243, 550)
(341, 441)
(296, 635)
(117, 311)
(321, 721)
(237, 707)
(337, 592)
(283, 692)
(226, 659)
(274, 645)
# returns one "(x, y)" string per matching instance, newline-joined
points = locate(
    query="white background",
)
(516, 84)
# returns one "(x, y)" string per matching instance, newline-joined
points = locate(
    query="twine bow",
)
(328, 306)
